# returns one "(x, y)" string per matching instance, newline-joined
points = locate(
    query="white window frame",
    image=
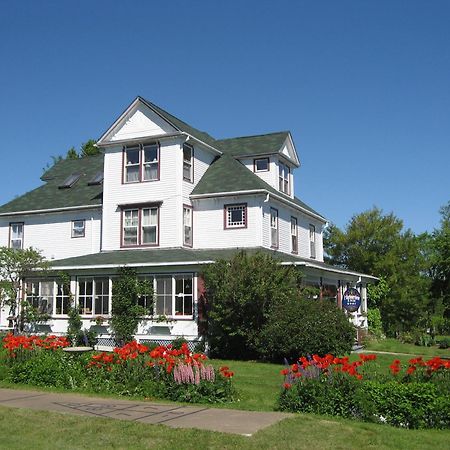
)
(255, 165)
(294, 235)
(274, 228)
(284, 173)
(312, 241)
(154, 162)
(74, 234)
(93, 296)
(228, 211)
(188, 164)
(19, 238)
(188, 233)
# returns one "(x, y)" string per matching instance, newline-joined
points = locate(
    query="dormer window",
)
(141, 163)
(284, 172)
(188, 163)
(261, 165)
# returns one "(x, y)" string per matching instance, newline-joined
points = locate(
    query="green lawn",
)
(393, 345)
(46, 430)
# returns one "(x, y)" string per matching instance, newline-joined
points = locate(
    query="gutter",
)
(111, 266)
(50, 210)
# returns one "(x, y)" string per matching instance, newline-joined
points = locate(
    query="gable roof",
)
(50, 196)
(227, 174)
(263, 144)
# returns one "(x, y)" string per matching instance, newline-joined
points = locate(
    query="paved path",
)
(213, 419)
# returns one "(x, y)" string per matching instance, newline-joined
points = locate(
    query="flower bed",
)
(416, 395)
(134, 369)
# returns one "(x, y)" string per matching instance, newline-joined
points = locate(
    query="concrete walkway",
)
(224, 420)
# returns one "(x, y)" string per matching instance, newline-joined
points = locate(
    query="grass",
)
(395, 346)
(49, 430)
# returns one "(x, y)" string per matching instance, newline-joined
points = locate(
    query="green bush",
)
(444, 343)
(300, 327)
(375, 323)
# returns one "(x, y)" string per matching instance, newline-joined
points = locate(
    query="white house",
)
(166, 199)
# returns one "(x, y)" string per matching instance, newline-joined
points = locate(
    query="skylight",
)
(70, 181)
(96, 179)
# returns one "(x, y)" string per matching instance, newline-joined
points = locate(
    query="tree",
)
(72, 153)
(15, 266)
(89, 149)
(375, 243)
(126, 313)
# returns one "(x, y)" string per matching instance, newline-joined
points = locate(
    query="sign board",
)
(351, 300)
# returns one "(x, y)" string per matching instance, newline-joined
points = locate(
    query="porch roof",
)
(188, 257)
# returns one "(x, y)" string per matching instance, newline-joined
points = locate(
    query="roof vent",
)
(70, 181)
(96, 179)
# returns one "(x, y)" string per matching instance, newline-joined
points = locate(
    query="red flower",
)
(287, 386)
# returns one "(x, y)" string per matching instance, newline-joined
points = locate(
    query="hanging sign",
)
(351, 300)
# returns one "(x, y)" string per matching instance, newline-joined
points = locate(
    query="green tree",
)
(375, 243)
(72, 153)
(15, 266)
(126, 313)
(89, 148)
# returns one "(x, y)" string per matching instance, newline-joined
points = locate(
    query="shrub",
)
(375, 323)
(306, 327)
(444, 343)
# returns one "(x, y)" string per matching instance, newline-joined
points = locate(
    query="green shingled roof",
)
(158, 256)
(182, 126)
(264, 144)
(227, 174)
(50, 196)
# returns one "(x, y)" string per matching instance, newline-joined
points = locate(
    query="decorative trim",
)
(225, 216)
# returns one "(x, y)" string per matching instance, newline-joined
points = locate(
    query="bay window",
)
(273, 228)
(140, 226)
(141, 163)
(16, 235)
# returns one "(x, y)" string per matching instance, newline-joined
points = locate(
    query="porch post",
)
(339, 295)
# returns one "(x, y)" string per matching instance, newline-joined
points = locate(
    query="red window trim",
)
(192, 225)
(84, 229)
(139, 208)
(294, 251)
(225, 216)
(193, 159)
(259, 171)
(278, 229)
(23, 233)
(141, 162)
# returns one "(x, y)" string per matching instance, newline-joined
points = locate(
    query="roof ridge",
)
(254, 135)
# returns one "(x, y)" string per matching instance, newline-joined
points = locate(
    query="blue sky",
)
(362, 85)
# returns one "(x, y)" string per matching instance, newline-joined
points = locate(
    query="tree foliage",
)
(254, 301)
(377, 244)
(126, 313)
(15, 265)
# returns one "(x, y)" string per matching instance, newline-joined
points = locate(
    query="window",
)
(183, 296)
(236, 216)
(93, 296)
(140, 226)
(141, 163)
(70, 181)
(163, 302)
(187, 225)
(16, 235)
(273, 228)
(312, 241)
(294, 235)
(144, 300)
(62, 303)
(188, 163)
(39, 295)
(284, 173)
(96, 179)
(261, 165)
(78, 228)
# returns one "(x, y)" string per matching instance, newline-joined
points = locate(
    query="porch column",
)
(363, 297)
(339, 295)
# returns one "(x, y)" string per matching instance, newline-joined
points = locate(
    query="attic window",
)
(70, 181)
(96, 179)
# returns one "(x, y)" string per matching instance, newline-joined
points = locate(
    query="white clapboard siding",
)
(209, 229)
(51, 233)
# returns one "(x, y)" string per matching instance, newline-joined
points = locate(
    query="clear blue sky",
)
(364, 87)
